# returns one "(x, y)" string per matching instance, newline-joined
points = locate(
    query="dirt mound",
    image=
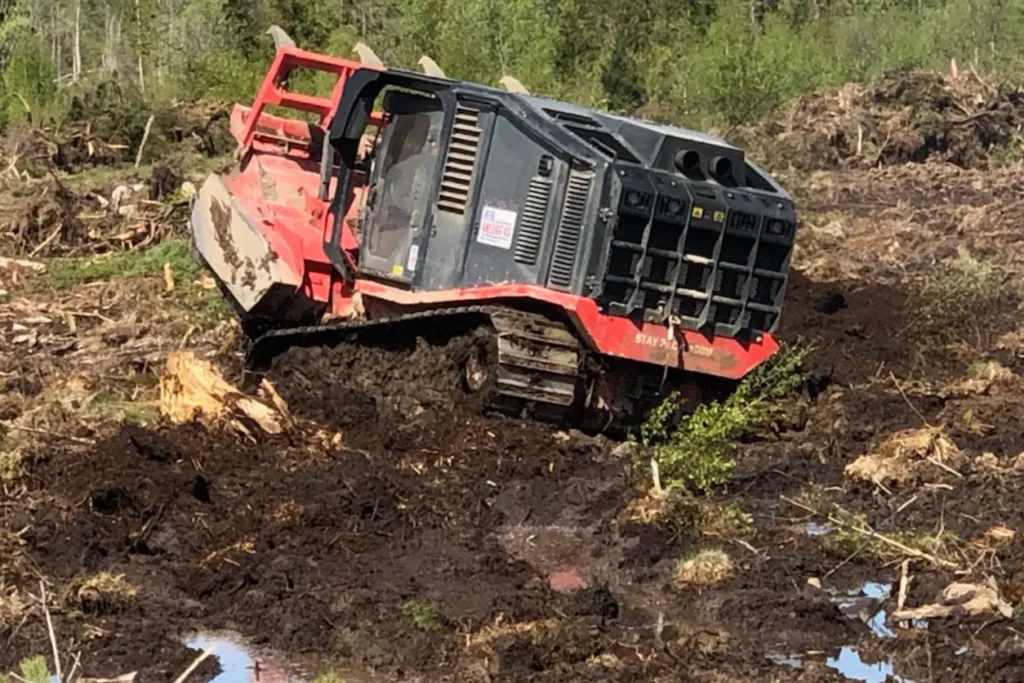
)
(905, 116)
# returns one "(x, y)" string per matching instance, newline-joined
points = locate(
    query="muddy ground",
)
(391, 534)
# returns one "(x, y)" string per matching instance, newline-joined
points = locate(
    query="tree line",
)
(700, 63)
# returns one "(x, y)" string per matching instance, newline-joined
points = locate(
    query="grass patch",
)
(705, 568)
(66, 273)
(209, 304)
(957, 303)
(424, 615)
(695, 454)
(729, 521)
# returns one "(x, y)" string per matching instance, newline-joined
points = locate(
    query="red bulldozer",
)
(596, 262)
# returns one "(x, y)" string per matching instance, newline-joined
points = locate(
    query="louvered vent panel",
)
(532, 219)
(569, 228)
(458, 168)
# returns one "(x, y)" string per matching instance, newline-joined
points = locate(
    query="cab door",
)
(403, 179)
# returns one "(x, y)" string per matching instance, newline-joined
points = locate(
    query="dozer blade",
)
(234, 248)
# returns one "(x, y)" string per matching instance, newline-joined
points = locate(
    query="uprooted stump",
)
(193, 389)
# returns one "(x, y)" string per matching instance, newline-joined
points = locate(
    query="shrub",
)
(694, 453)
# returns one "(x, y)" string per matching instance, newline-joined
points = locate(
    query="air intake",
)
(532, 219)
(570, 226)
(457, 178)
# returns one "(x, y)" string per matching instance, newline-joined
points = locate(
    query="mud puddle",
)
(864, 603)
(241, 662)
(852, 666)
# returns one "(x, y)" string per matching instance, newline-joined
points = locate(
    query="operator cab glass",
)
(401, 182)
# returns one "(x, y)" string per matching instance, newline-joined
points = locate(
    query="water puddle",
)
(850, 665)
(815, 529)
(242, 663)
(863, 603)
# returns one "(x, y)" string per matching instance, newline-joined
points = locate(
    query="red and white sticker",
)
(496, 227)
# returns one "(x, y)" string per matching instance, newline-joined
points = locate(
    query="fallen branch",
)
(45, 243)
(871, 533)
(901, 596)
(145, 136)
(49, 628)
(961, 599)
(195, 663)
(913, 552)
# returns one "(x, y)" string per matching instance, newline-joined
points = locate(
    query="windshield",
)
(407, 169)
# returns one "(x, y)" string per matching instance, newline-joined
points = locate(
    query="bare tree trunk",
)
(756, 15)
(138, 46)
(56, 43)
(76, 69)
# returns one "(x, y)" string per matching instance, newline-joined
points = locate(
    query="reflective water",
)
(862, 603)
(849, 664)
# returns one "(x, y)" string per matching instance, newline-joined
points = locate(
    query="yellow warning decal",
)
(397, 269)
(698, 212)
(718, 216)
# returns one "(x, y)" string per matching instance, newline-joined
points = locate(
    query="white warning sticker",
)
(414, 257)
(496, 227)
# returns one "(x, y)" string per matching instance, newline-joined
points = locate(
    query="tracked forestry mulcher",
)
(593, 262)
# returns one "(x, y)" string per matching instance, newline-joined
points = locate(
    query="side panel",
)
(512, 229)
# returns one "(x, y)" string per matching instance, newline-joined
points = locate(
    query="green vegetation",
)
(695, 453)
(33, 670)
(65, 273)
(207, 303)
(699, 62)
(956, 302)
(424, 615)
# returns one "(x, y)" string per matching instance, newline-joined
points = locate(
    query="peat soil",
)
(395, 534)
(428, 544)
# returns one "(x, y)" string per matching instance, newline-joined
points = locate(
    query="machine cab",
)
(401, 184)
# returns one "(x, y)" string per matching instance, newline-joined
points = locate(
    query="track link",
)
(528, 364)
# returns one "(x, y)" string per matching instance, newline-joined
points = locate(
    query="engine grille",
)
(457, 177)
(567, 239)
(532, 220)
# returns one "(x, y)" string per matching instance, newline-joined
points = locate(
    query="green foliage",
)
(700, 62)
(34, 670)
(424, 615)
(28, 79)
(695, 453)
(149, 263)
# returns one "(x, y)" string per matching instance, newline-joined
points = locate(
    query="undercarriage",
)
(525, 364)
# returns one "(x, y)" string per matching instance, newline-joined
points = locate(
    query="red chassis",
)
(278, 183)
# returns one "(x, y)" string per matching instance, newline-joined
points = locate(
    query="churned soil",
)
(395, 531)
